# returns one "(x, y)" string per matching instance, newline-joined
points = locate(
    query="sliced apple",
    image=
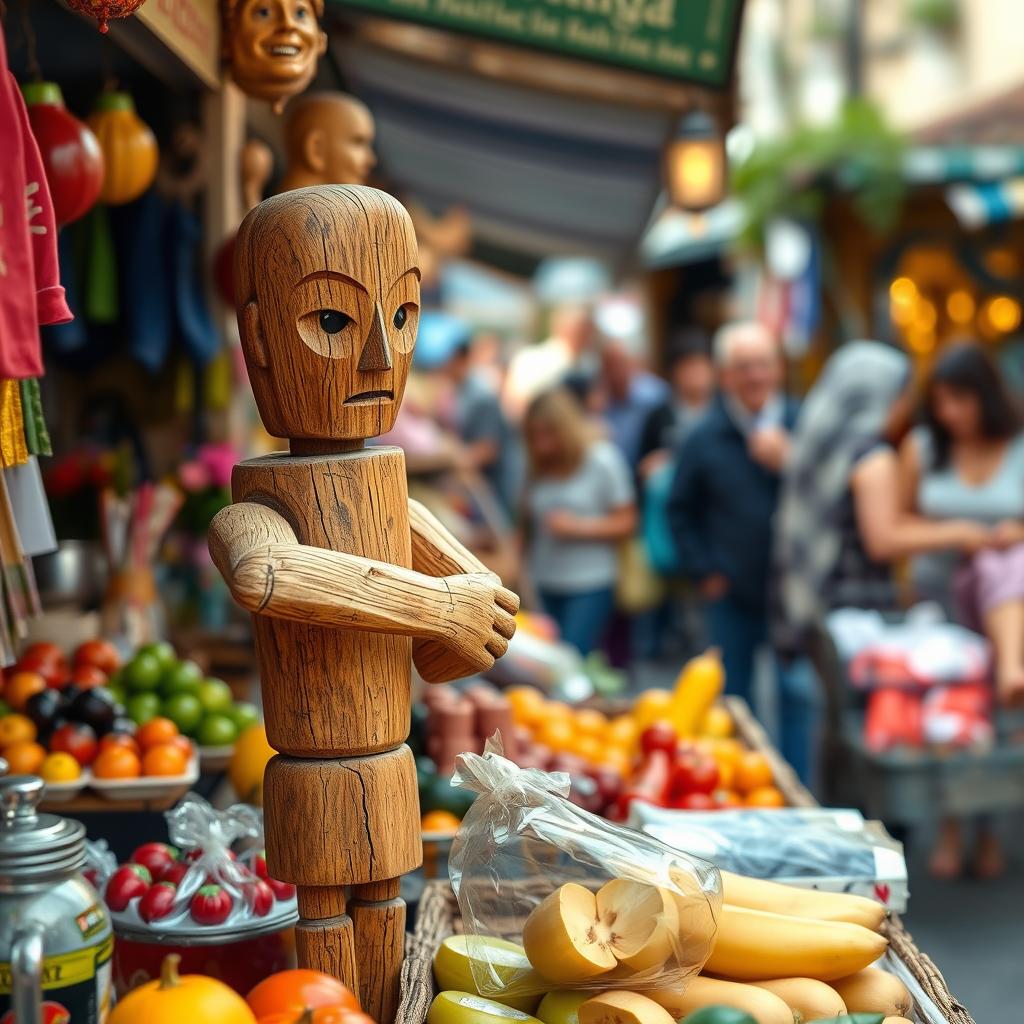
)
(623, 1008)
(575, 934)
(469, 1008)
(461, 959)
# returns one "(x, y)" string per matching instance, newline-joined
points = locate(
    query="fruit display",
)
(799, 956)
(155, 683)
(64, 722)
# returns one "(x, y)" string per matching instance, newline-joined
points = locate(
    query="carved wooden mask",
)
(328, 287)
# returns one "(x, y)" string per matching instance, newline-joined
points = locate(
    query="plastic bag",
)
(532, 868)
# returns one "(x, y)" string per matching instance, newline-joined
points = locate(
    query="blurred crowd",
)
(649, 515)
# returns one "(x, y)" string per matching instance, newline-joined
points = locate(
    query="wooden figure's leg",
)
(324, 934)
(378, 917)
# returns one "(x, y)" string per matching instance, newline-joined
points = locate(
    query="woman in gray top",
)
(967, 466)
(579, 506)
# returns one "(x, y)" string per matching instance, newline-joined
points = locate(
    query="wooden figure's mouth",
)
(370, 396)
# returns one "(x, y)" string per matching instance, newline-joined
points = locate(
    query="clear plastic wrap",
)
(589, 905)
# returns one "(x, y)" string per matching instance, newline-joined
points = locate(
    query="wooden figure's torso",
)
(332, 692)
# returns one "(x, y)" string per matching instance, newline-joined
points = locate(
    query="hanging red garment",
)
(30, 289)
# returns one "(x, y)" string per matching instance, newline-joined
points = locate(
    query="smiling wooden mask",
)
(272, 46)
(328, 288)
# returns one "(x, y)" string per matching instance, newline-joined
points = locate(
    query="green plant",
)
(937, 14)
(793, 177)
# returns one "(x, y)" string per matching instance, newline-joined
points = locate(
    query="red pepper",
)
(649, 783)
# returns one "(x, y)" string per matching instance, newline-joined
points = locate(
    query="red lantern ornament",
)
(70, 151)
(103, 10)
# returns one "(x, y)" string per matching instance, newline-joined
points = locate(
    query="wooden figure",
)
(328, 140)
(271, 47)
(344, 575)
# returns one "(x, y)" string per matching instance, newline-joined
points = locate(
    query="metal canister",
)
(56, 941)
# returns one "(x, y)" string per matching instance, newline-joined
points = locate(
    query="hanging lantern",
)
(130, 152)
(103, 10)
(695, 164)
(70, 152)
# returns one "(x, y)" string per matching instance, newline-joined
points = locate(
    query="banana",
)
(684, 999)
(808, 998)
(756, 894)
(875, 991)
(753, 945)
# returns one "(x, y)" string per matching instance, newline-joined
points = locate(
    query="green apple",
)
(181, 677)
(141, 707)
(562, 1007)
(216, 730)
(469, 1008)
(185, 711)
(456, 957)
(163, 652)
(244, 714)
(142, 673)
(215, 695)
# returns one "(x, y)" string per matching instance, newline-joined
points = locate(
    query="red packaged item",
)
(959, 716)
(893, 719)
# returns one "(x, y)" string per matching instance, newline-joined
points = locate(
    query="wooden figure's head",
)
(328, 287)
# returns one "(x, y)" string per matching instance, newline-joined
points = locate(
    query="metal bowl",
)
(74, 574)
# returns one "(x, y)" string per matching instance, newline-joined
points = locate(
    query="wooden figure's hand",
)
(480, 624)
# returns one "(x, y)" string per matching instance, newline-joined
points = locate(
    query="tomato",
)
(157, 901)
(164, 759)
(156, 730)
(78, 740)
(122, 740)
(99, 654)
(126, 883)
(117, 762)
(46, 659)
(659, 735)
(693, 774)
(259, 865)
(281, 890)
(650, 783)
(262, 897)
(85, 677)
(320, 1015)
(295, 991)
(174, 872)
(696, 802)
(211, 905)
(155, 858)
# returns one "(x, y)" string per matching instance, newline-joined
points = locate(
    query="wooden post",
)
(347, 579)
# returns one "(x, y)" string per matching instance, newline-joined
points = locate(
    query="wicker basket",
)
(438, 917)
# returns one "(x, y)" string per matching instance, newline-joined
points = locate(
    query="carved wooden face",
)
(329, 287)
(273, 47)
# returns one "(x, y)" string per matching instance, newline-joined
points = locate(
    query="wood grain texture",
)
(340, 248)
(344, 821)
(379, 937)
(328, 946)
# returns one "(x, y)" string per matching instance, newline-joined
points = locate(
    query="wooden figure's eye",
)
(400, 317)
(331, 321)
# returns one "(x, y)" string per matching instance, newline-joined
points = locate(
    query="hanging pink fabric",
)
(30, 289)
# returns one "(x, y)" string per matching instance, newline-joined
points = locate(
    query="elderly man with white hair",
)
(723, 500)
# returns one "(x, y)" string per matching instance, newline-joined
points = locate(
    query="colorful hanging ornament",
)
(129, 148)
(70, 151)
(104, 10)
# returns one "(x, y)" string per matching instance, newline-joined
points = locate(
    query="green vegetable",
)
(719, 1015)
(439, 795)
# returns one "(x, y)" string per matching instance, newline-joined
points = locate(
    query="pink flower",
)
(194, 476)
(219, 460)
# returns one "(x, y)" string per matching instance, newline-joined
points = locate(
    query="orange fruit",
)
(21, 686)
(252, 752)
(590, 722)
(120, 739)
(727, 751)
(590, 748)
(117, 762)
(440, 821)
(616, 759)
(727, 798)
(726, 775)
(16, 729)
(556, 734)
(60, 767)
(622, 732)
(765, 796)
(650, 706)
(717, 722)
(164, 759)
(752, 772)
(155, 731)
(184, 744)
(527, 704)
(558, 709)
(24, 758)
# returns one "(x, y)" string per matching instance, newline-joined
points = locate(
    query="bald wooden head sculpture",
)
(328, 140)
(347, 579)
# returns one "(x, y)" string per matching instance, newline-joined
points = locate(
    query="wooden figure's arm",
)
(270, 573)
(436, 552)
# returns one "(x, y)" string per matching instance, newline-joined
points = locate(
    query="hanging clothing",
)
(30, 290)
(13, 449)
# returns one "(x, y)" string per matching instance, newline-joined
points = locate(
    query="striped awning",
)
(541, 173)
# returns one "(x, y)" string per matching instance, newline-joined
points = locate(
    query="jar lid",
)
(35, 847)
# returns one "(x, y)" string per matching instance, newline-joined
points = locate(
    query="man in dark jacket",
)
(723, 500)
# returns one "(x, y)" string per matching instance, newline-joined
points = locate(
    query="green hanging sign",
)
(691, 40)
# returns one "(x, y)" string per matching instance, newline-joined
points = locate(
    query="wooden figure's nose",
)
(376, 354)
